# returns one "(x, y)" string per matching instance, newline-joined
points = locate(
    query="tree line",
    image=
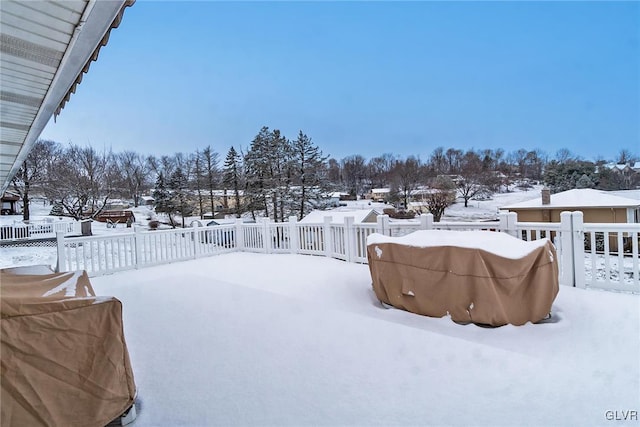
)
(277, 177)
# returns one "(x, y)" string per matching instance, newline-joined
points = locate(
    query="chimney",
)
(546, 196)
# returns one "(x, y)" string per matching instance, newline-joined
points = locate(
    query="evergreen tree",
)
(268, 173)
(210, 174)
(57, 209)
(178, 184)
(310, 173)
(232, 179)
(563, 176)
(163, 199)
(584, 182)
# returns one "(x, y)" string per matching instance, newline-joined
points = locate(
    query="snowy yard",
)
(251, 339)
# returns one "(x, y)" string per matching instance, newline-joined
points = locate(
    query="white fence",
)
(37, 230)
(601, 256)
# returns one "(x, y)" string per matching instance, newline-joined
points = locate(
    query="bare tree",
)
(472, 177)
(134, 172)
(79, 181)
(564, 155)
(334, 172)
(453, 157)
(625, 157)
(442, 196)
(406, 177)
(354, 173)
(380, 170)
(438, 162)
(34, 171)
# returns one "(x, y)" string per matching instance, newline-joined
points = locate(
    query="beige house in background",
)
(596, 206)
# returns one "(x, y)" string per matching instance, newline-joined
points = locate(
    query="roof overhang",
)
(45, 48)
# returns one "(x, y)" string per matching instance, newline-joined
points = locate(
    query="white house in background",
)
(147, 201)
(338, 216)
(380, 194)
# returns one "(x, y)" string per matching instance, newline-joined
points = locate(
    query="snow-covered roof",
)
(579, 198)
(629, 194)
(380, 190)
(613, 165)
(338, 216)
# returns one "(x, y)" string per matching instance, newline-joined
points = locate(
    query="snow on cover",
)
(500, 244)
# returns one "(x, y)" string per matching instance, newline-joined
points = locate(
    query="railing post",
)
(383, 225)
(349, 238)
(426, 221)
(266, 235)
(577, 226)
(512, 224)
(196, 242)
(565, 238)
(379, 225)
(326, 234)
(61, 263)
(239, 238)
(293, 235)
(138, 242)
(503, 217)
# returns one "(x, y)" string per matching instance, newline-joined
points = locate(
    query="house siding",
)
(593, 215)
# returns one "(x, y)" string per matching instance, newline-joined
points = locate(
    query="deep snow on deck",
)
(252, 339)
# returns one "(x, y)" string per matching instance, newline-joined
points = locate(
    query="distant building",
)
(11, 203)
(380, 194)
(596, 206)
(338, 216)
(147, 201)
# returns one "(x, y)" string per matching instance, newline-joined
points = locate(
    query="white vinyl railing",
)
(603, 256)
(610, 256)
(37, 229)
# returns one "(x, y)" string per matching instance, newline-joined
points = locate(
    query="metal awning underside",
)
(45, 47)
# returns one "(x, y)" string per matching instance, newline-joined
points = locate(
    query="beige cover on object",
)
(64, 360)
(470, 284)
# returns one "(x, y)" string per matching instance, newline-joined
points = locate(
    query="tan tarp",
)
(469, 284)
(64, 360)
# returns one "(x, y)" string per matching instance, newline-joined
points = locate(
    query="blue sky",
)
(365, 77)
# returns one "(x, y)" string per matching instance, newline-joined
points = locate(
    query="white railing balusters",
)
(605, 264)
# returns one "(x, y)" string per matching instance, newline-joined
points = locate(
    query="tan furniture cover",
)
(64, 360)
(435, 273)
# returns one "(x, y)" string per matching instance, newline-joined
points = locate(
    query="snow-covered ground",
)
(251, 339)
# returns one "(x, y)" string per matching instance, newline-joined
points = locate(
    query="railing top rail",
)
(81, 239)
(590, 226)
(478, 225)
(539, 225)
(366, 225)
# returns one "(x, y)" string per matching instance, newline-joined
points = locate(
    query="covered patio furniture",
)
(482, 277)
(64, 357)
